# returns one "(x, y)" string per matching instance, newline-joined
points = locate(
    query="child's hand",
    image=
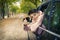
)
(26, 28)
(40, 13)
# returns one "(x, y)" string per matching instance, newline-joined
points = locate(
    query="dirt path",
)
(12, 29)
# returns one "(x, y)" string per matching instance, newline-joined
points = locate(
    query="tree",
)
(27, 5)
(5, 3)
(36, 2)
(14, 9)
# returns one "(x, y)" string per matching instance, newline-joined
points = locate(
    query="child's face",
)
(34, 16)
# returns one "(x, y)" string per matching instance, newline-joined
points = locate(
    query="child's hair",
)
(41, 8)
(32, 11)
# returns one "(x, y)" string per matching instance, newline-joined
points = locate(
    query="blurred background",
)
(12, 13)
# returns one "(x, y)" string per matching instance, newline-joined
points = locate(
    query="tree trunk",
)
(6, 10)
(0, 12)
(3, 11)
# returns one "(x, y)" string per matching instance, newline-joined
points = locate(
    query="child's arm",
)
(34, 26)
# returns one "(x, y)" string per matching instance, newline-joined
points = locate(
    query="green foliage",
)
(27, 5)
(3, 4)
(36, 2)
(8, 1)
(14, 9)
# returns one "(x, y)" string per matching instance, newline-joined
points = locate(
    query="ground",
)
(13, 29)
